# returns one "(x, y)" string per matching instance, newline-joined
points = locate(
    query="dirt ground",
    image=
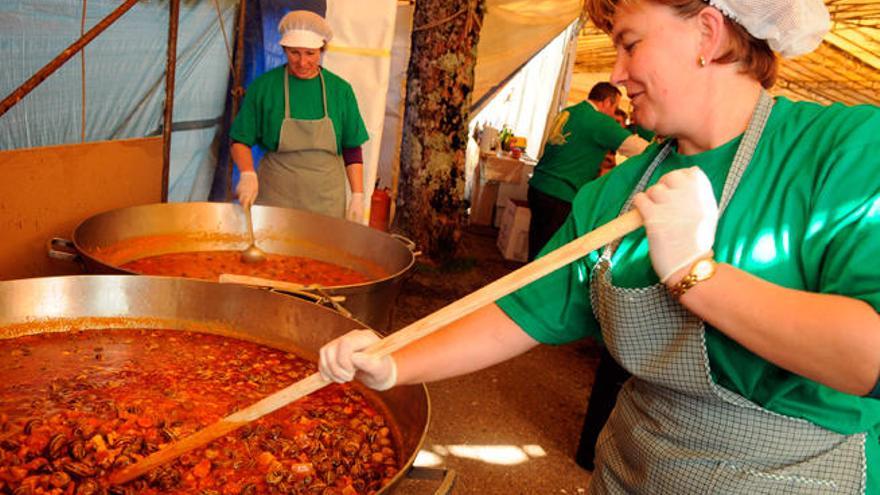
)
(509, 429)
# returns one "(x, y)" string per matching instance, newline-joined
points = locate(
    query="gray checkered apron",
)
(673, 430)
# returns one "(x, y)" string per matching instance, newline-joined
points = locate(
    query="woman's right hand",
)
(681, 215)
(248, 187)
(341, 360)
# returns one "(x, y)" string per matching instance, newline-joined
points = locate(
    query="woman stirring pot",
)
(747, 308)
(307, 119)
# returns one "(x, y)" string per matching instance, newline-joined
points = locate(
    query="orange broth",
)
(209, 265)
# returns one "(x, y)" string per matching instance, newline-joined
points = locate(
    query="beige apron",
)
(306, 172)
(673, 430)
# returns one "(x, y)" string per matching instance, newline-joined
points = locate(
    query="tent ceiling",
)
(845, 68)
(513, 31)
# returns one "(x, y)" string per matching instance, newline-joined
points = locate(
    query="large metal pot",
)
(177, 227)
(59, 303)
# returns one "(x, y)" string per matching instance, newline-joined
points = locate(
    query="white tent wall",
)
(124, 79)
(525, 100)
(389, 153)
(360, 52)
(513, 31)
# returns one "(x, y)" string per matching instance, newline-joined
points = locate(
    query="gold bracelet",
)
(701, 270)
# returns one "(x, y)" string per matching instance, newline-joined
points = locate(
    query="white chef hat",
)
(790, 27)
(304, 29)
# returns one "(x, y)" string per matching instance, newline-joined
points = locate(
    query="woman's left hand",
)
(680, 214)
(355, 211)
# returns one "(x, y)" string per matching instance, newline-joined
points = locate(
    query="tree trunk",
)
(440, 79)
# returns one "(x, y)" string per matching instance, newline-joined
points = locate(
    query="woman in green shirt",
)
(307, 120)
(747, 308)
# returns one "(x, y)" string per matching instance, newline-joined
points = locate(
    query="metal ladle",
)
(251, 254)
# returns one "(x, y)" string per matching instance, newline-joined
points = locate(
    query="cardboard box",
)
(513, 235)
(501, 168)
(483, 197)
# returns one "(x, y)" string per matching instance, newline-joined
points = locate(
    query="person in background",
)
(610, 160)
(579, 139)
(307, 119)
(746, 309)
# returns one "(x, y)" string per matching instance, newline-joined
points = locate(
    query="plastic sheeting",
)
(124, 79)
(389, 153)
(527, 98)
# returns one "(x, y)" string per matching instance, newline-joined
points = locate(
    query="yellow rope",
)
(353, 50)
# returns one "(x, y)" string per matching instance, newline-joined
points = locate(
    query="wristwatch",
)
(701, 270)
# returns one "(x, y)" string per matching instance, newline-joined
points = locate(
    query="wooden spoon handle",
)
(552, 261)
(232, 278)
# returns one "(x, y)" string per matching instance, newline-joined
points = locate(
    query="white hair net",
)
(791, 27)
(303, 28)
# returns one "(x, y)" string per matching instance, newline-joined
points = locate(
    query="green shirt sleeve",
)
(354, 131)
(843, 229)
(244, 126)
(556, 308)
(606, 132)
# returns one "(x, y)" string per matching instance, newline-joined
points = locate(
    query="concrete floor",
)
(509, 429)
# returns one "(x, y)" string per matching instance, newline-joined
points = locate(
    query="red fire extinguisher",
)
(380, 206)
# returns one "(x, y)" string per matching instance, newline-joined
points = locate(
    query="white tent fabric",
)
(525, 101)
(513, 31)
(389, 152)
(360, 52)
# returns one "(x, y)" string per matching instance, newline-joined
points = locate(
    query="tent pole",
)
(170, 66)
(237, 91)
(41, 75)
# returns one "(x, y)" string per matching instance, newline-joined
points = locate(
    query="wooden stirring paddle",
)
(554, 260)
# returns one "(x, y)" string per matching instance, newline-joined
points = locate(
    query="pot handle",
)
(446, 475)
(62, 249)
(407, 242)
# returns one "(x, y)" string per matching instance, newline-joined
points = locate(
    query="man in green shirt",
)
(581, 136)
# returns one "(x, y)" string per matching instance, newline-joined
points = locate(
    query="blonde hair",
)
(753, 54)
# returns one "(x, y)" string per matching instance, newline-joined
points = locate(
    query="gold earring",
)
(701, 61)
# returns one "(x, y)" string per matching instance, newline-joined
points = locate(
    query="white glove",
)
(248, 187)
(340, 360)
(355, 211)
(680, 216)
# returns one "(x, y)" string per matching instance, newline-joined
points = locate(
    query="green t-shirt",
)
(259, 119)
(576, 146)
(806, 215)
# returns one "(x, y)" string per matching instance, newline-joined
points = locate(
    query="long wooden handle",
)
(232, 278)
(554, 260)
